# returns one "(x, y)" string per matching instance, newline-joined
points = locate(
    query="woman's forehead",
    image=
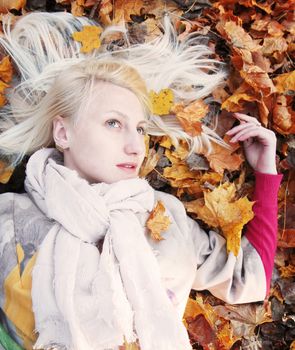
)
(106, 97)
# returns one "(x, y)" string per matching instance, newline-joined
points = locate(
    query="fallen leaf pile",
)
(256, 40)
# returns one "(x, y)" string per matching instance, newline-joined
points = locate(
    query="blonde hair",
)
(68, 94)
(56, 78)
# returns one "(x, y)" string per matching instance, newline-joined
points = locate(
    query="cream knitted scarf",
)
(84, 300)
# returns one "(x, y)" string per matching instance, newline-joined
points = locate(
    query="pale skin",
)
(259, 143)
(111, 133)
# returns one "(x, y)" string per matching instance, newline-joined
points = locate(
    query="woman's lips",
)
(128, 167)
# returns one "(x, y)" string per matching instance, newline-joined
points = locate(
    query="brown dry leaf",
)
(190, 116)
(218, 331)
(258, 79)
(222, 158)
(286, 238)
(149, 163)
(275, 29)
(292, 347)
(219, 209)
(161, 102)
(287, 271)
(89, 37)
(77, 9)
(2, 100)
(283, 116)
(7, 5)
(5, 173)
(261, 24)
(220, 95)
(272, 44)
(3, 86)
(158, 222)
(244, 318)
(260, 61)
(234, 102)
(179, 171)
(105, 11)
(285, 82)
(238, 37)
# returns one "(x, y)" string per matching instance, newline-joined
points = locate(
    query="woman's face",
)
(107, 144)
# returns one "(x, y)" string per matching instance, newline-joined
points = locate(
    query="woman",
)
(98, 279)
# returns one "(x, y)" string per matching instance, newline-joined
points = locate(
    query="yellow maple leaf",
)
(166, 142)
(219, 209)
(179, 154)
(89, 37)
(178, 171)
(158, 222)
(161, 102)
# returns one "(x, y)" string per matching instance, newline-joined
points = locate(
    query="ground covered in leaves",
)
(256, 40)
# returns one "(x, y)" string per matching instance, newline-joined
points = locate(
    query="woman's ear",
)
(61, 132)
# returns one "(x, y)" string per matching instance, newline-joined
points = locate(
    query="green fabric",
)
(7, 342)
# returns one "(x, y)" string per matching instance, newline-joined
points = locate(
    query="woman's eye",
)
(141, 130)
(113, 123)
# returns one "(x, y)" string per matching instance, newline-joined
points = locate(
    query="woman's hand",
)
(259, 143)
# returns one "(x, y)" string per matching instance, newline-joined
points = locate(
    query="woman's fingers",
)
(246, 118)
(240, 127)
(245, 133)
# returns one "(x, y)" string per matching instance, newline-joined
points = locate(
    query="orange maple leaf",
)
(6, 70)
(6, 76)
(158, 222)
(89, 37)
(190, 116)
(5, 173)
(221, 158)
(6, 5)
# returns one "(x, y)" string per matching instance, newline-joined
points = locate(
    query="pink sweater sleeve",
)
(262, 229)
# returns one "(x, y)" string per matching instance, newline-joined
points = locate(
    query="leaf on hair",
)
(89, 38)
(161, 102)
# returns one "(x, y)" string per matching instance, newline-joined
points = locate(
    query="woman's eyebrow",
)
(125, 116)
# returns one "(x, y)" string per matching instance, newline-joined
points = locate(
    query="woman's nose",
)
(134, 143)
